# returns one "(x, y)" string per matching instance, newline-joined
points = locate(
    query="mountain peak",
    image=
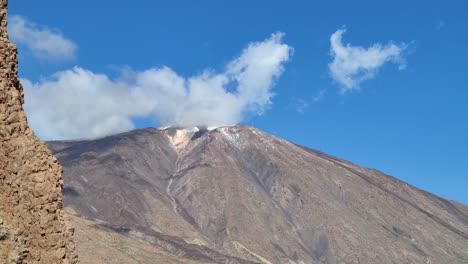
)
(179, 137)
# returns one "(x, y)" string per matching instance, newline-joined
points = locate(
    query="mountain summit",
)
(239, 195)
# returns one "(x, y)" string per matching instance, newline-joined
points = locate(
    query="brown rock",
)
(32, 221)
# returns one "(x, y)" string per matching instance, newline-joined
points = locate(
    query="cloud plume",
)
(353, 64)
(79, 103)
(42, 41)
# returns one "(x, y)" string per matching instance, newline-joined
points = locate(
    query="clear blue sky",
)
(411, 123)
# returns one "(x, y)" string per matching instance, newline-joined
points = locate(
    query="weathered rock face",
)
(32, 225)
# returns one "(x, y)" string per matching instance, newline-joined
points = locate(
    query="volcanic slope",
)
(239, 195)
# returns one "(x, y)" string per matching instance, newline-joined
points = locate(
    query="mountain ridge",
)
(307, 148)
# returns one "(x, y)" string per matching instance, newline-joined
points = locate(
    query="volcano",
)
(239, 195)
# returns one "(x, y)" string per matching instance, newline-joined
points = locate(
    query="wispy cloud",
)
(440, 24)
(353, 64)
(79, 103)
(302, 105)
(42, 41)
(319, 96)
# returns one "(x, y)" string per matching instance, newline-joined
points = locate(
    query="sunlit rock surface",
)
(32, 224)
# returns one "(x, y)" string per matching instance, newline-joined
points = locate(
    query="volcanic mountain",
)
(239, 195)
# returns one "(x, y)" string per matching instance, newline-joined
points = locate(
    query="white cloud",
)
(42, 41)
(353, 64)
(78, 103)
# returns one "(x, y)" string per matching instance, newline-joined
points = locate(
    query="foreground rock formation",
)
(239, 195)
(32, 225)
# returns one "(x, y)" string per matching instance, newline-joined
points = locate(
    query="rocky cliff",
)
(32, 225)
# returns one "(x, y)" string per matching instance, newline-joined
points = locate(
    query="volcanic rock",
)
(32, 224)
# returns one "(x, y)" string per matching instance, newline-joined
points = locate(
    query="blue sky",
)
(409, 118)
